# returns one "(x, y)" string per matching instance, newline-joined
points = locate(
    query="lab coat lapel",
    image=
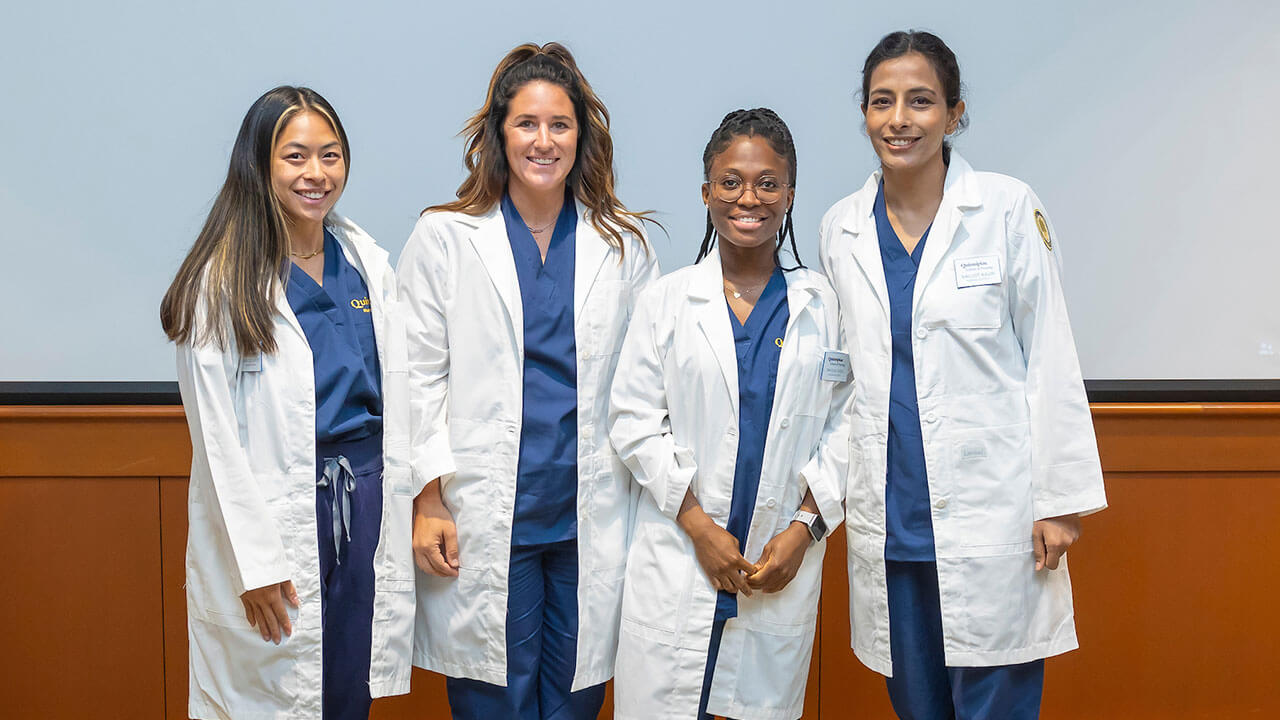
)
(864, 244)
(713, 321)
(589, 253)
(491, 244)
(364, 254)
(958, 195)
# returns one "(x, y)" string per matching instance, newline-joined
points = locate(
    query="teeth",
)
(901, 142)
(749, 219)
(313, 195)
(542, 161)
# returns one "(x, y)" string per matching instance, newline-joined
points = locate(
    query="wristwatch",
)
(817, 526)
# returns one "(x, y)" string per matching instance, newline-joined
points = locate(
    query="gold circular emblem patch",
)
(1043, 226)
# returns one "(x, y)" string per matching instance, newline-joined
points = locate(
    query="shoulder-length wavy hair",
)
(233, 268)
(591, 178)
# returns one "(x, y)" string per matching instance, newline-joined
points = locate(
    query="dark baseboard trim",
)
(89, 393)
(166, 393)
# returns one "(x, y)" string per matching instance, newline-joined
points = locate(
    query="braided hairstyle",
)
(764, 123)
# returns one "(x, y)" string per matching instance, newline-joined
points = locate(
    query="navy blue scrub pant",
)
(542, 645)
(922, 686)
(346, 570)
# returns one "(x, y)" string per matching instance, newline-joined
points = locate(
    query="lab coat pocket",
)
(864, 499)
(263, 674)
(605, 526)
(659, 578)
(794, 609)
(976, 307)
(990, 476)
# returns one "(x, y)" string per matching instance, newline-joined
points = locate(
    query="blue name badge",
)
(835, 366)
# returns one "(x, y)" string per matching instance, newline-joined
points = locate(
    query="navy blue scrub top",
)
(909, 525)
(338, 322)
(758, 345)
(546, 507)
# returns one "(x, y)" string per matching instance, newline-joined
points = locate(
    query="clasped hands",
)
(717, 552)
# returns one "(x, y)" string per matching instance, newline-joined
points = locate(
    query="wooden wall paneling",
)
(106, 441)
(173, 574)
(80, 602)
(1173, 583)
(1175, 589)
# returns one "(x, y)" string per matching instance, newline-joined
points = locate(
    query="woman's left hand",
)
(1051, 537)
(781, 558)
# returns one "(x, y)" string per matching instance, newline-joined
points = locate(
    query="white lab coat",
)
(674, 421)
(1008, 436)
(252, 510)
(466, 351)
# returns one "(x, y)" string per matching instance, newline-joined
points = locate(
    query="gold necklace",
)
(541, 229)
(300, 256)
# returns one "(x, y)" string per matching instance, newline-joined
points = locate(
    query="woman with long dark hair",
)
(970, 417)
(728, 407)
(518, 295)
(291, 365)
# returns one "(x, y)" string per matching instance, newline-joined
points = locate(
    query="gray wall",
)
(1148, 129)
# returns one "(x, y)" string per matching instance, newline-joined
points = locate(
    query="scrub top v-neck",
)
(546, 504)
(337, 320)
(758, 347)
(909, 525)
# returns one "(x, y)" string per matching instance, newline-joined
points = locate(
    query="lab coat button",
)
(770, 503)
(931, 417)
(942, 503)
(786, 422)
(921, 332)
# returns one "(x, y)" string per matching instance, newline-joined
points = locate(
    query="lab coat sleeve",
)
(206, 376)
(639, 424)
(826, 471)
(425, 289)
(1066, 472)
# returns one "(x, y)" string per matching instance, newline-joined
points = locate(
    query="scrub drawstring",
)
(338, 475)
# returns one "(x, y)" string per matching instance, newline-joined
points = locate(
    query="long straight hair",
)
(591, 178)
(234, 267)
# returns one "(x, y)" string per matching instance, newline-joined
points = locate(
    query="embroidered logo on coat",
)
(1043, 226)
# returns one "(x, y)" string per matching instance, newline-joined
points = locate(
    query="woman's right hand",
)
(435, 536)
(265, 610)
(717, 550)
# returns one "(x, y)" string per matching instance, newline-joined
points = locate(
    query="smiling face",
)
(541, 135)
(746, 222)
(308, 169)
(907, 114)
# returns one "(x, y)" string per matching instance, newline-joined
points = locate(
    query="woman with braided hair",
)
(728, 409)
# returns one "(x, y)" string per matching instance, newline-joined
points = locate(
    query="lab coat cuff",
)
(433, 461)
(678, 482)
(1070, 489)
(258, 577)
(830, 506)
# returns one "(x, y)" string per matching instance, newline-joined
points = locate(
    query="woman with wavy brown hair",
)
(518, 296)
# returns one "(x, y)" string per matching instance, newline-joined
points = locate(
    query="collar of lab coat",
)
(960, 194)
(706, 289)
(494, 248)
(363, 253)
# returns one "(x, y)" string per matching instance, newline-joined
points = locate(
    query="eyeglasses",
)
(729, 188)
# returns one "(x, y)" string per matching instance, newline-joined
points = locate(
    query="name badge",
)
(835, 366)
(977, 270)
(251, 363)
